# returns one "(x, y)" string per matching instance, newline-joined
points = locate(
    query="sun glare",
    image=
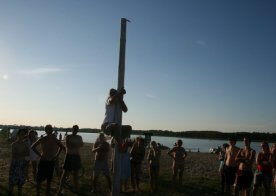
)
(5, 77)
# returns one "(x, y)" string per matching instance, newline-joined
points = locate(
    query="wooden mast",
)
(118, 115)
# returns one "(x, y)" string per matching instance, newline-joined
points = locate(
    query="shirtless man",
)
(50, 149)
(245, 158)
(231, 165)
(72, 161)
(179, 154)
(17, 173)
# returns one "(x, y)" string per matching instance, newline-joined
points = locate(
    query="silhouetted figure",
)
(263, 174)
(101, 149)
(244, 176)
(137, 154)
(154, 165)
(72, 162)
(50, 149)
(179, 154)
(17, 172)
(230, 164)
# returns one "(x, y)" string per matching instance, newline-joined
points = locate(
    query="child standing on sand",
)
(17, 173)
(179, 154)
(154, 159)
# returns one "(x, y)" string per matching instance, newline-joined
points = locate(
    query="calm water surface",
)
(203, 145)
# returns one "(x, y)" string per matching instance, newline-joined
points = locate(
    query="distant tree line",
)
(254, 136)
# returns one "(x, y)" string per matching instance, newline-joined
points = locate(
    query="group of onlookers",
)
(132, 155)
(240, 167)
(28, 149)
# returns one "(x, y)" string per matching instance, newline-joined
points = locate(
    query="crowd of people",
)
(240, 168)
(235, 164)
(42, 153)
(237, 171)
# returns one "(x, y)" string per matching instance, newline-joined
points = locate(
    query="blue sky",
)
(190, 65)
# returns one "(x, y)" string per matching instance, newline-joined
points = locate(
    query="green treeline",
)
(254, 136)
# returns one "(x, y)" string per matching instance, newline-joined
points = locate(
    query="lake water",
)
(203, 145)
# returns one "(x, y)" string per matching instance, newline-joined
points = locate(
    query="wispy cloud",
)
(201, 43)
(149, 95)
(42, 71)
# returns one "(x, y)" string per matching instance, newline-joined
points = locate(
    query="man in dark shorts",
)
(263, 175)
(244, 176)
(72, 161)
(50, 149)
(179, 154)
(231, 165)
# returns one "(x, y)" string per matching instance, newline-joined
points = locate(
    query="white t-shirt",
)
(109, 112)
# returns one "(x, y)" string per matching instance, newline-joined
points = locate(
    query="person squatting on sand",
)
(230, 164)
(244, 176)
(154, 165)
(179, 154)
(137, 155)
(72, 162)
(17, 172)
(50, 149)
(263, 173)
(101, 149)
(221, 166)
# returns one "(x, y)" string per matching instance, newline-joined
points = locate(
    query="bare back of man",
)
(73, 144)
(50, 146)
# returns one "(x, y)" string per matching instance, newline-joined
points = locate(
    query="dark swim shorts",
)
(72, 162)
(45, 170)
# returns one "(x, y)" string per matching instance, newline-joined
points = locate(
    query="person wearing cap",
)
(263, 174)
(231, 165)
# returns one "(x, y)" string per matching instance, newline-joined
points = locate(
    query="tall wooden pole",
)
(118, 115)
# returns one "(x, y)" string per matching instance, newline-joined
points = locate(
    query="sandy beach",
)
(202, 165)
